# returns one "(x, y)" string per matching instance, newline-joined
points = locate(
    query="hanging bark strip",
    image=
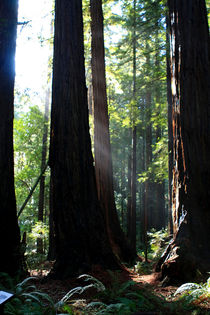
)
(189, 254)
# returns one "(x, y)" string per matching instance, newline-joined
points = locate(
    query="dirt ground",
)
(57, 288)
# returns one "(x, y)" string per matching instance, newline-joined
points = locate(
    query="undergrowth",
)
(194, 293)
(119, 298)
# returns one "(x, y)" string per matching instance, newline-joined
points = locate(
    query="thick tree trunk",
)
(189, 254)
(11, 261)
(80, 233)
(102, 147)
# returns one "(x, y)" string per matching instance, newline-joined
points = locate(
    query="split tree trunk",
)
(189, 254)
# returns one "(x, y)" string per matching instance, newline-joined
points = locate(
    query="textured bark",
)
(11, 256)
(102, 147)
(79, 227)
(189, 253)
(170, 131)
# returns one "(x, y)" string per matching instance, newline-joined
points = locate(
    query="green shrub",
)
(195, 293)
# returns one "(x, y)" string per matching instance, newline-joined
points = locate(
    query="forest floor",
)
(159, 299)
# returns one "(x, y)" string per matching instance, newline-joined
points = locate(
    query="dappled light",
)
(104, 157)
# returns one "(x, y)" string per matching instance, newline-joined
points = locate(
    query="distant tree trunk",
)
(133, 191)
(142, 196)
(159, 187)
(148, 201)
(122, 188)
(189, 254)
(159, 208)
(129, 191)
(133, 169)
(131, 207)
(11, 261)
(40, 249)
(80, 234)
(102, 147)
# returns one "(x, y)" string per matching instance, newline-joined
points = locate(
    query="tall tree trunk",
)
(131, 208)
(170, 130)
(148, 202)
(102, 147)
(189, 254)
(11, 261)
(133, 169)
(122, 188)
(159, 208)
(129, 191)
(80, 233)
(40, 249)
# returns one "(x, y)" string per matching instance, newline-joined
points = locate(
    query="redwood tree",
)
(189, 254)
(79, 225)
(11, 257)
(102, 147)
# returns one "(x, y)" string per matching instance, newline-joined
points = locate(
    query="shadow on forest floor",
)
(143, 294)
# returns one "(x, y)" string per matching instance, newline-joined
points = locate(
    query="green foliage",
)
(125, 110)
(119, 298)
(28, 131)
(28, 300)
(194, 293)
(143, 267)
(158, 240)
(28, 134)
(39, 230)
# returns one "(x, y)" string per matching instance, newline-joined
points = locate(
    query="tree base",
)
(69, 267)
(180, 263)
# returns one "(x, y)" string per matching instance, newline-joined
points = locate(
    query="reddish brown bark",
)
(102, 147)
(79, 228)
(189, 254)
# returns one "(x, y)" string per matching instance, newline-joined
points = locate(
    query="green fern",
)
(195, 293)
(28, 300)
